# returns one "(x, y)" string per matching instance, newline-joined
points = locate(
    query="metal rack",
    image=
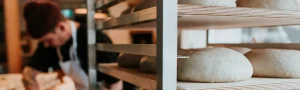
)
(167, 18)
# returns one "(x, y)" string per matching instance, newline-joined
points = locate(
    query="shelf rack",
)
(131, 75)
(148, 81)
(167, 18)
(207, 17)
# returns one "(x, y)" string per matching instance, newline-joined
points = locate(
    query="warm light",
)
(100, 16)
(81, 11)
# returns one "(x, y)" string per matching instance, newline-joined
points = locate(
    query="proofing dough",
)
(240, 49)
(275, 63)
(270, 4)
(226, 3)
(215, 65)
(148, 64)
(129, 60)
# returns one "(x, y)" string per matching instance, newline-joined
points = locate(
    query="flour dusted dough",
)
(226, 3)
(215, 65)
(148, 64)
(240, 49)
(270, 4)
(275, 63)
(129, 60)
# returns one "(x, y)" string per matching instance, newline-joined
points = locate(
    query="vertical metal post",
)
(167, 44)
(207, 37)
(91, 36)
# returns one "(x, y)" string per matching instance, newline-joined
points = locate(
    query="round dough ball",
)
(241, 49)
(270, 4)
(226, 3)
(275, 63)
(129, 60)
(148, 64)
(215, 65)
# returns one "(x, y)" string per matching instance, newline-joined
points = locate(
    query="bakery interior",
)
(168, 44)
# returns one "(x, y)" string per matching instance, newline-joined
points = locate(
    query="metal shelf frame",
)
(91, 33)
(166, 50)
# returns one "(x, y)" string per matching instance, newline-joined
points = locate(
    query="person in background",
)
(63, 45)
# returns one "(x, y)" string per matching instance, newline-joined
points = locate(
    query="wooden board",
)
(252, 84)
(131, 75)
(140, 49)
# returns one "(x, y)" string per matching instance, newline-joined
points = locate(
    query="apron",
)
(72, 67)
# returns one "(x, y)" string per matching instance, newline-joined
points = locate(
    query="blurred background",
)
(76, 10)
(17, 47)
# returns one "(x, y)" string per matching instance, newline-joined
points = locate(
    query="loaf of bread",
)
(215, 65)
(275, 63)
(226, 3)
(129, 60)
(270, 4)
(148, 64)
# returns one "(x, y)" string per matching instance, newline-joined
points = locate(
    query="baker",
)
(63, 45)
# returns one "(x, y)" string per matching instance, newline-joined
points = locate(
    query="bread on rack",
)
(278, 63)
(129, 60)
(148, 64)
(270, 4)
(215, 65)
(226, 3)
(241, 49)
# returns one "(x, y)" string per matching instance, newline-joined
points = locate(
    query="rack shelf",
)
(140, 49)
(148, 81)
(260, 46)
(208, 17)
(252, 84)
(133, 76)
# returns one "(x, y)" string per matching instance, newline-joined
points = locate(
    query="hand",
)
(117, 86)
(68, 84)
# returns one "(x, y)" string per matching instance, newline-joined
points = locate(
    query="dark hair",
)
(41, 18)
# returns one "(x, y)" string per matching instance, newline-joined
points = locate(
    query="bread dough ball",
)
(148, 64)
(241, 49)
(215, 65)
(129, 60)
(275, 63)
(226, 3)
(270, 4)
